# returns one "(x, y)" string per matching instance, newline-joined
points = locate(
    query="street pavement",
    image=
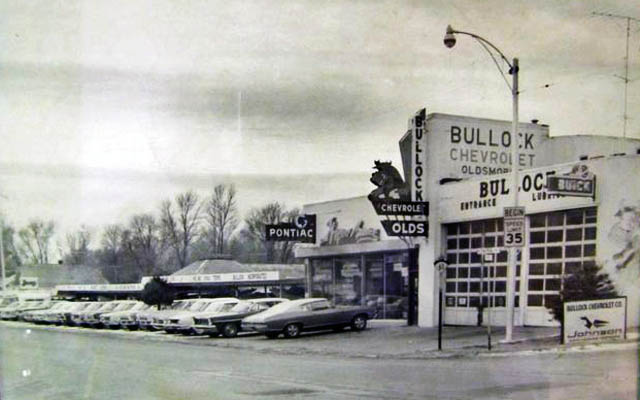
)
(74, 363)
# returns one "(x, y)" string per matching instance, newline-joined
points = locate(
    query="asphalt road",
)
(74, 364)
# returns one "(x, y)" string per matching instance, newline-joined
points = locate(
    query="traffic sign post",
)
(514, 232)
(441, 266)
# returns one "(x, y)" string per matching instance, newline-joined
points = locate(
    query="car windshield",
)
(79, 306)
(93, 306)
(139, 307)
(283, 307)
(7, 300)
(180, 305)
(124, 307)
(241, 307)
(58, 306)
(108, 306)
(199, 305)
(220, 307)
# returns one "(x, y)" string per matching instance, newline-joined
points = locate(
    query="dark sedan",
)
(293, 317)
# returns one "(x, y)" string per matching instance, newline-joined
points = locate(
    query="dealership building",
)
(460, 166)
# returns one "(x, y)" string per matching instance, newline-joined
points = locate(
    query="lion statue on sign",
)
(390, 185)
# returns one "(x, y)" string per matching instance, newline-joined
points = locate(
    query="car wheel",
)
(272, 335)
(359, 323)
(197, 332)
(230, 330)
(292, 331)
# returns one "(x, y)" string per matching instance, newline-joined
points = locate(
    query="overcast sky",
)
(110, 106)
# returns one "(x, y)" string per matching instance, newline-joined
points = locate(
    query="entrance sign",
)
(406, 228)
(514, 227)
(303, 229)
(592, 320)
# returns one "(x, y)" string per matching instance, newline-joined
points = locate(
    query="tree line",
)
(186, 228)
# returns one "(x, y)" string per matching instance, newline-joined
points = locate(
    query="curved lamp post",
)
(450, 41)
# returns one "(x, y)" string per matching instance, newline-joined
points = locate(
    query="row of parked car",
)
(203, 316)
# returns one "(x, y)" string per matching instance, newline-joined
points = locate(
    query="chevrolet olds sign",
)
(593, 320)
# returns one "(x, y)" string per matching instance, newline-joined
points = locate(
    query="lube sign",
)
(593, 320)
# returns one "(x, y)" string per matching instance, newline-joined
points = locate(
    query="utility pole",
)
(624, 78)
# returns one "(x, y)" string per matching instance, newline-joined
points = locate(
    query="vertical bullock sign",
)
(418, 157)
(514, 227)
(303, 229)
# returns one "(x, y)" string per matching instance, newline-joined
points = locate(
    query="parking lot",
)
(49, 362)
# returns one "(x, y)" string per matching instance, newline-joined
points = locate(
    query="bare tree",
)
(272, 213)
(35, 239)
(179, 229)
(11, 254)
(221, 217)
(141, 244)
(78, 246)
(112, 244)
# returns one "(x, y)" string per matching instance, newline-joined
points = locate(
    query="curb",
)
(428, 354)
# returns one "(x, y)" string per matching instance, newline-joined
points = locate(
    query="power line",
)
(626, 63)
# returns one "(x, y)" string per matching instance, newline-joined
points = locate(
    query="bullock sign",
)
(592, 320)
(303, 229)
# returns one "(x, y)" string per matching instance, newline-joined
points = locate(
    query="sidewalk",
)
(382, 340)
(391, 339)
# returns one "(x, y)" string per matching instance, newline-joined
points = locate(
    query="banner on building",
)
(593, 320)
(230, 277)
(302, 229)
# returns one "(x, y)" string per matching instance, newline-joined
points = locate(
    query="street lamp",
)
(450, 41)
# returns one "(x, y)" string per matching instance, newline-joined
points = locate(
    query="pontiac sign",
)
(303, 229)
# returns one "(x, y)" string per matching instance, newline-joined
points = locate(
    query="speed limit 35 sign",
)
(514, 227)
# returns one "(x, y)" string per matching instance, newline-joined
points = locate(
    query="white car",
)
(37, 316)
(128, 310)
(65, 315)
(184, 322)
(78, 316)
(15, 310)
(149, 320)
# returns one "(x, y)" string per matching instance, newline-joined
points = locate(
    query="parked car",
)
(126, 312)
(78, 316)
(65, 316)
(228, 322)
(36, 316)
(293, 317)
(15, 310)
(182, 322)
(93, 320)
(149, 320)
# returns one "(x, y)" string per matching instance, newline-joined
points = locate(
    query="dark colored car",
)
(293, 317)
(228, 322)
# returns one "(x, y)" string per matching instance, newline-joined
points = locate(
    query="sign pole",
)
(441, 266)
